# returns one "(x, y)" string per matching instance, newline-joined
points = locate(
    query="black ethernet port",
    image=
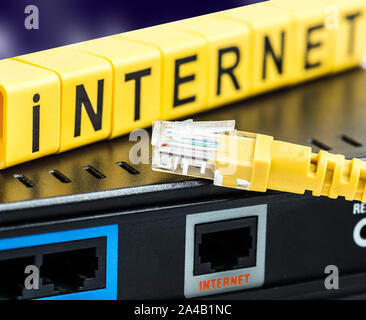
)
(225, 245)
(65, 267)
(12, 274)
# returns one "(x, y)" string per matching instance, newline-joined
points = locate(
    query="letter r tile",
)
(229, 56)
(272, 38)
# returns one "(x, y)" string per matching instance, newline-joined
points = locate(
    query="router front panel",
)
(236, 244)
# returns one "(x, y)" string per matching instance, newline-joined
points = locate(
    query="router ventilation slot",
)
(319, 144)
(23, 179)
(60, 176)
(94, 172)
(351, 141)
(127, 167)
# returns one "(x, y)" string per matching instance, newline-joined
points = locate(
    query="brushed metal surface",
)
(330, 111)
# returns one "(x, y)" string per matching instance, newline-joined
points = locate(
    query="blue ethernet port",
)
(76, 264)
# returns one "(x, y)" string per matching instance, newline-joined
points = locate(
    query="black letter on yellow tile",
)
(35, 136)
(268, 49)
(178, 80)
(228, 70)
(137, 77)
(83, 99)
(312, 45)
(352, 30)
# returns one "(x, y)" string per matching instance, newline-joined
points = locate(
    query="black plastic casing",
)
(304, 234)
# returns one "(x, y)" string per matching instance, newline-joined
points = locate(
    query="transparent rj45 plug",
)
(188, 148)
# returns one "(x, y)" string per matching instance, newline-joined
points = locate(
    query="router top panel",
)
(326, 114)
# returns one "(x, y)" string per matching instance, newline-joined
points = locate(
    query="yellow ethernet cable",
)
(236, 159)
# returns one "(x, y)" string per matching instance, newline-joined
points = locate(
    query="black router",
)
(126, 232)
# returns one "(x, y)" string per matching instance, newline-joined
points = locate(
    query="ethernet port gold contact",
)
(225, 250)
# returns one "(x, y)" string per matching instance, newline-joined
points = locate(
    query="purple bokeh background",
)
(68, 21)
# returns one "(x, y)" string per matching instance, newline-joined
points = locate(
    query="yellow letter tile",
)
(229, 52)
(136, 83)
(29, 112)
(348, 18)
(86, 94)
(272, 56)
(185, 68)
(315, 41)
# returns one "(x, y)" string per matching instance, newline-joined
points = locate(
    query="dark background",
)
(68, 21)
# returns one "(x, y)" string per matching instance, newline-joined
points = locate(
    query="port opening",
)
(13, 276)
(225, 245)
(70, 271)
(65, 267)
